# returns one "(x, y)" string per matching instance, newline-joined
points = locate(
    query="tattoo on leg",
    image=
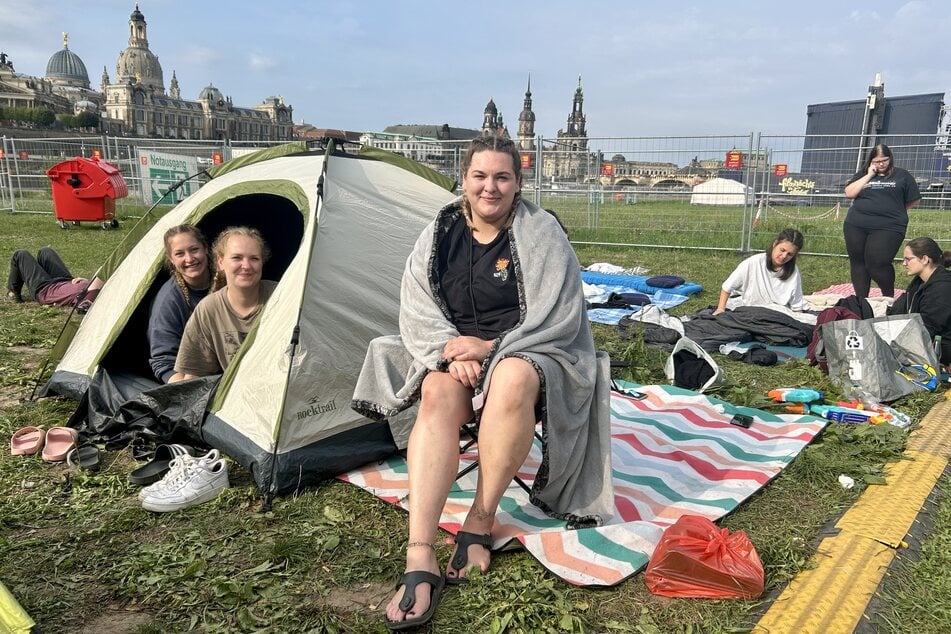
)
(479, 512)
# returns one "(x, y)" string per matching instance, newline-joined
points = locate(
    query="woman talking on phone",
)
(875, 226)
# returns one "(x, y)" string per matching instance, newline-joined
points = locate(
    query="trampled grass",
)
(78, 551)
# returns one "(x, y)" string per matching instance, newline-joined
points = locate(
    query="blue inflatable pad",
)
(638, 283)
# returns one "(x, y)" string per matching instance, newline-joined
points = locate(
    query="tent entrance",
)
(280, 222)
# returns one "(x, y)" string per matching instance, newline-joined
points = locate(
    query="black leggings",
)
(871, 252)
(47, 267)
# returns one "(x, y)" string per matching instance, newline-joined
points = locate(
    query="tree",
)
(43, 117)
(87, 119)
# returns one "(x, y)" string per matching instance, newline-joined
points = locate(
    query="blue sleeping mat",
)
(638, 283)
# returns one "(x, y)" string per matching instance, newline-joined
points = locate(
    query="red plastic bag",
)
(697, 559)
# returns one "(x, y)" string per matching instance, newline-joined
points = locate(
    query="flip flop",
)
(85, 457)
(59, 440)
(27, 441)
(154, 470)
(410, 581)
(460, 560)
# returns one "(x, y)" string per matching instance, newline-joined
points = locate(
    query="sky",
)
(646, 68)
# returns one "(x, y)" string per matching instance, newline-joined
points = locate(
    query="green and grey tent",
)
(340, 227)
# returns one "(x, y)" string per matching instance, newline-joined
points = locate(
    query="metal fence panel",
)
(628, 191)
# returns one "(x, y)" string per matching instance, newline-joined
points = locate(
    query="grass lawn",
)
(81, 555)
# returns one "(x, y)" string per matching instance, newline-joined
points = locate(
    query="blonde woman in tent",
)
(492, 326)
(767, 278)
(220, 322)
(188, 261)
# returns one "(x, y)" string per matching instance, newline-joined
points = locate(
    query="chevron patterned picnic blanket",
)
(674, 453)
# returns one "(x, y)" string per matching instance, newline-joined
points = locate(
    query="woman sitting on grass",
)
(188, 262)
(220, 323)
(767, 278)
(929, 292)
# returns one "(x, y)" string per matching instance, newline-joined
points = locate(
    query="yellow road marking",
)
(831, 597)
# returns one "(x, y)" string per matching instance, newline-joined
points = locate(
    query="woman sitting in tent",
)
(492, 325)
(929, 292)
(188, 262)
(222, 320)
(767, 278)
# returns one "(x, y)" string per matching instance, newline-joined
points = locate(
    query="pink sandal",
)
(59, 441)
(27, 441)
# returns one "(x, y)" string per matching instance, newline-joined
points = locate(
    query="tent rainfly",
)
(340, 227)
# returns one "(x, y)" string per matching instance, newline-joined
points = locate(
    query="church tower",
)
(173, 89)
(490, 118)
(526, 122)
(576, 119)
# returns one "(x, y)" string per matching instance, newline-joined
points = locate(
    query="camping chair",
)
(471, 430)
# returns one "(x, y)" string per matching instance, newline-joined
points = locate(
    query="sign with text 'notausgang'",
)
(160, 170)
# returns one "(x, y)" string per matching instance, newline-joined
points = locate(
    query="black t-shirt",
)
(477, 282)
(882, 202)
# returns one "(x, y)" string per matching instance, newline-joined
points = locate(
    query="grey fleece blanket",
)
(574, 481)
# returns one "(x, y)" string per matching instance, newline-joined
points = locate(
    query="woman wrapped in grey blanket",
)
(492, 325)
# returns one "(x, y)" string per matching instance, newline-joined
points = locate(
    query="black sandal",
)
(409, 581)
(460, 559)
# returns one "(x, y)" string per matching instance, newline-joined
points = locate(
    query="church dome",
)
(210, 93)
(140, 64)
(137, 64)
(66, 66)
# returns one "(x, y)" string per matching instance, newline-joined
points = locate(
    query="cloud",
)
(259, 62)
(865, 16)
(201, 55)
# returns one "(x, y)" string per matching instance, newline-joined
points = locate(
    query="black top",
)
(477, 282)
(882, 203)
(932, 300)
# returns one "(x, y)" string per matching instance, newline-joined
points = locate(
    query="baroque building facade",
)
(136, 102)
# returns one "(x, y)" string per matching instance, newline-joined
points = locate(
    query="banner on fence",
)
(160, 171)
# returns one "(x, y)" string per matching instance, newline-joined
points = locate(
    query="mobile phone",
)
(741, 420)
(634, 394)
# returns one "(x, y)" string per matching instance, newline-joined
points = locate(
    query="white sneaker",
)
(176, 465)
(196, 482)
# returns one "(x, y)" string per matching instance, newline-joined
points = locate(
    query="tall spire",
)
(526, 120)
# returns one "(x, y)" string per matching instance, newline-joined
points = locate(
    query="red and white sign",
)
(734, 159)
(216, 158)
(780, 169)
(607, 169)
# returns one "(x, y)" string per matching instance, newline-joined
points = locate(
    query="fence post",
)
(5, 187)
(538, 170)
(16, 166)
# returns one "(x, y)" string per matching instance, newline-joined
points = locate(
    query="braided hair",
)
(173, 272)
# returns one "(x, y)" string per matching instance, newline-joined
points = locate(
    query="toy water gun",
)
(892, 416)
(795, 395)
(838, 414)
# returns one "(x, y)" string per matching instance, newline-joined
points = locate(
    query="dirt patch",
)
(30, 360)
(366, 597)
(116, 621)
